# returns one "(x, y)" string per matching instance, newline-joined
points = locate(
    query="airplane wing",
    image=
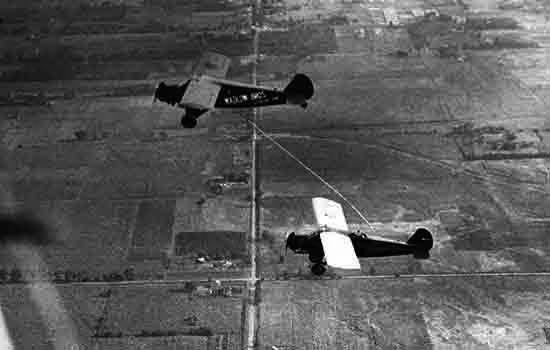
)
(201, 94)
(329, 214)
(213, 65)
(339, 251)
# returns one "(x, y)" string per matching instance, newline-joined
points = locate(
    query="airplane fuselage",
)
(364, 246)
(241, 96)
(198, 95)
(231, 95)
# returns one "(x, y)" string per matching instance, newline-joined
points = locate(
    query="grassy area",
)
(413, 313)
(152, 232)
(300, 40)
(328, 314)
(100, 310)
(216, 245)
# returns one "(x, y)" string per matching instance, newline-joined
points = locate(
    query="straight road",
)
(252, 309)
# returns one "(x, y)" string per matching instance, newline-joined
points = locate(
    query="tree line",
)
(16, 275)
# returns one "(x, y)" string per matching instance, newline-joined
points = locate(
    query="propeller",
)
(160, 86)
(155, 94)
(283, 256)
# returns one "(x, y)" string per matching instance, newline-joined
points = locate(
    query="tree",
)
(16, 276)
(3, 275)
(59, 276)
(69, 276)
(189, 287)
(129, 274)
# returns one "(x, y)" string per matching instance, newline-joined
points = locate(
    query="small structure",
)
(202, 291)
(391, 17)
(218, 184)
(417, 12)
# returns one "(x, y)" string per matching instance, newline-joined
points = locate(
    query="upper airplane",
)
(207, 90)
(334, 245)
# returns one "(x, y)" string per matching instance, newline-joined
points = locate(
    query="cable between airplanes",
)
(312, 172)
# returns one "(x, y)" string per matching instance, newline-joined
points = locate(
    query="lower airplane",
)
(205, 92)
(335, 246)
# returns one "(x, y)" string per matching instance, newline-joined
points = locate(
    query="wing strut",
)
(312, 172)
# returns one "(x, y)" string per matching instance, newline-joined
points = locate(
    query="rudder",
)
(423, 240)
(299, 89)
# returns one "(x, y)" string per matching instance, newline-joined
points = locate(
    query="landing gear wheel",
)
(188, 122)
(318, 269)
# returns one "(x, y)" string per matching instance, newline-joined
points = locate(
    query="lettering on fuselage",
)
(242, 99)
(257, 95)
(252, 98)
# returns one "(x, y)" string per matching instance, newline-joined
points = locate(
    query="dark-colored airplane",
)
(208, 90)
(334, 245)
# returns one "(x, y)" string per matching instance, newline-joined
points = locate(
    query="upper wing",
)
(213, 65)
(339, 251)
(329, 214)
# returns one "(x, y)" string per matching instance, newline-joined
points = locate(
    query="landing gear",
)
(188, 122)
(317, 264)
(318, 269)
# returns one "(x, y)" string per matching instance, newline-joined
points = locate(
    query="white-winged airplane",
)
(208, 89)
(335, 246)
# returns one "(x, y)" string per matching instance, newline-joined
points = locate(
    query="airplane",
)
(335, 246)
(208, 89)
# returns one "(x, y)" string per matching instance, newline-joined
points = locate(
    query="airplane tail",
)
(299, 90)
(287, 242)
(422, 239)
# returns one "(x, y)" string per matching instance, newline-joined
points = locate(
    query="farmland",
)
(108, 316)
(419, 313)
(416, 129)
(114, 176)
(424, 114)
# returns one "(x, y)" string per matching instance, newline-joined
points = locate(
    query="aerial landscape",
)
(425, 114)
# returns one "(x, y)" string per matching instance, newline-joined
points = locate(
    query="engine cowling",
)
(171, 94)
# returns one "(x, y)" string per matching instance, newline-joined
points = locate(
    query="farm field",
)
(412, 313)
(428, 114)
(416, 129)
(116, 178)
(109, 316)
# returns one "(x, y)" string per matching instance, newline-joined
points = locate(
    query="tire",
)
(318, 269)
(188, 123)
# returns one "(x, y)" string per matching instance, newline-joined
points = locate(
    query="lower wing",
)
(339, 251)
